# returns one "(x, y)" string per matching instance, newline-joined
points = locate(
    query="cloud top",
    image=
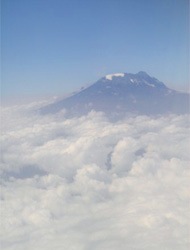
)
(87, 183)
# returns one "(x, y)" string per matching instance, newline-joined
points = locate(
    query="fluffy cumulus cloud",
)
(89, 184)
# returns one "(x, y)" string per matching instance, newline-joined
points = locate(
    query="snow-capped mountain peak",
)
(109, 77)
(121, 93)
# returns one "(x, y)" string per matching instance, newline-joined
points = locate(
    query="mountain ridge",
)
(119, 93)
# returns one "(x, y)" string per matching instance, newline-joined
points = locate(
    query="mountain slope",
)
(124, 93)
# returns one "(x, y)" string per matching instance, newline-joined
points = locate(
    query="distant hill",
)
(122, 93)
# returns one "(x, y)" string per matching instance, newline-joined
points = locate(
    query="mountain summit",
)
(120, 93)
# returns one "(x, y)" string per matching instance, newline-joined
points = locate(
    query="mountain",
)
(122, 93)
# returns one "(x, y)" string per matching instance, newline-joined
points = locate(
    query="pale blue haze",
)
(51, 47)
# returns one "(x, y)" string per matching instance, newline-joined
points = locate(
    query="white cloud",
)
(87, 183)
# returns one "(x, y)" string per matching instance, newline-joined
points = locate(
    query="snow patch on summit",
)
(109, 77)
(149, 84)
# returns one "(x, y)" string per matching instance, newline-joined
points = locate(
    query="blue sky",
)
(52, 47)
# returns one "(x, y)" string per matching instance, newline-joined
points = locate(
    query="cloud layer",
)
(89, 184)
